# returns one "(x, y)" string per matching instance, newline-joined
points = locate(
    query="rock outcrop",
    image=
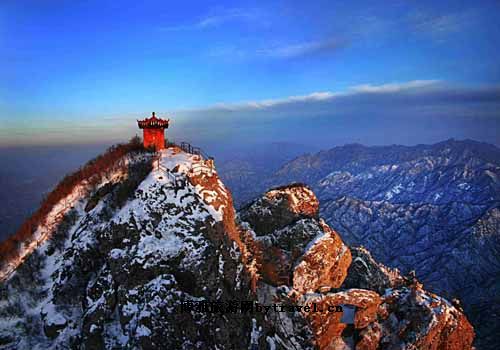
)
(429, 208)
(389, 310)
(126, 275)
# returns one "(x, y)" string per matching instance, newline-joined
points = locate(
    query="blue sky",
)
(83, 71)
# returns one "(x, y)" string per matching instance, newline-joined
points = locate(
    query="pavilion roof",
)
(153, 122)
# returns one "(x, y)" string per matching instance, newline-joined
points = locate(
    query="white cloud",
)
(394, 87)
(282, 51)
(302, 49)
(217, 18)
(227, 16)
(355, 111)
(372, 29)
(323, 96)
(263, 104)
(440, 26)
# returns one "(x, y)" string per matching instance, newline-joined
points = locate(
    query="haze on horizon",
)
(318, 73)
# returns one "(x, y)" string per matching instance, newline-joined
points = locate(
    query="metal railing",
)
(188, 148)
(178, 180)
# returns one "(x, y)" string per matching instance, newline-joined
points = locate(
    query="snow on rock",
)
(304, 262)
(76, 200)
(279, 207)
(435, 323)
(324, 264)
(300, 199)
(329, 328)
(119, 274)
(364, 272)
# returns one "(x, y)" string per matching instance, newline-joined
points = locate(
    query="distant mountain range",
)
(431, 208)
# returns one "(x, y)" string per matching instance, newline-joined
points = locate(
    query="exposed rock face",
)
(364, 272)
(119, 276)
(324, 264)
(280, 207)
(391, 311)
(429, 208)
(434, 318)
(328, 330)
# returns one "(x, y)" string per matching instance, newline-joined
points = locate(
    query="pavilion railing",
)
(188, 148)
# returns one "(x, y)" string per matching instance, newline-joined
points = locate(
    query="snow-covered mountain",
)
(115, 272)
(434, 209)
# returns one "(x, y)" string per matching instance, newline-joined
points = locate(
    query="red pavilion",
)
(154, 131)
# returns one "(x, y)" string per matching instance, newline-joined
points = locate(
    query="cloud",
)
(218, 18)
(440, 26)
(418, 111)
(227, 16)
(282, 51)
(394, 87)
(265, 104)
(373, 28)
(390, 90)
(303, 49)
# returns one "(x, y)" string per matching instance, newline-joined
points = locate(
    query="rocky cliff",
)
(119, 274)
(429, 208)
(303, 261)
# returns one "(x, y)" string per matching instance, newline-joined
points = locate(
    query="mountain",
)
(138, 258)
(434, 209)
(30, 172)
(241, 165)
(33, 171)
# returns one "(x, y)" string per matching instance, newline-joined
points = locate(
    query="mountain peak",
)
(118, 273)
(281, 206)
